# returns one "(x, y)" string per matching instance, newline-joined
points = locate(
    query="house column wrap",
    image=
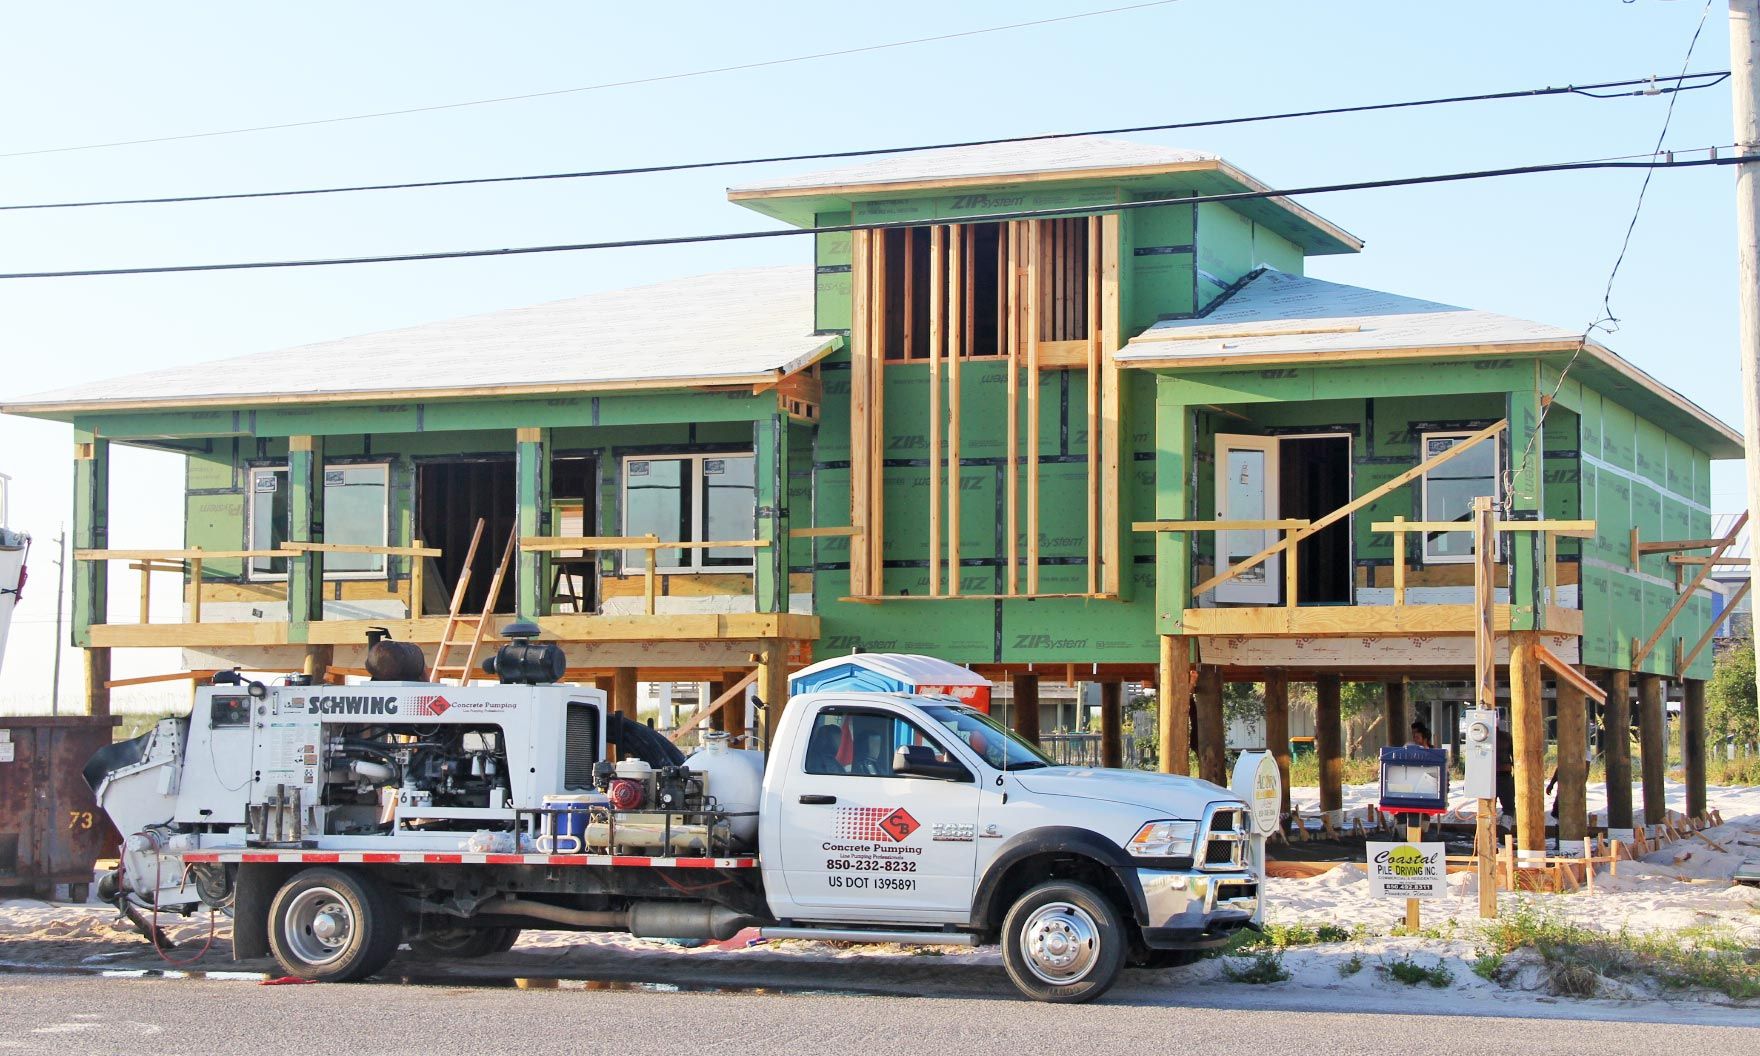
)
(1524, 455)
(91, 531)
(533, 496)
(770, 470)
(1173, 550)
(305, 509)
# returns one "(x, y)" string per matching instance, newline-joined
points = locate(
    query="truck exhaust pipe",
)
(648, 920)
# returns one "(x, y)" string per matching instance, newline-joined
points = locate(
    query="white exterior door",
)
(858, 842)
(1246, 490)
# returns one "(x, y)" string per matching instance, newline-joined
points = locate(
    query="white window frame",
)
(691, 561)
(1424, 492)
(256, 574)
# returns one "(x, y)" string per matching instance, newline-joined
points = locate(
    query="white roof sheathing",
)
(1721, 523)
(726, 325)
(981, 162)
(1276, 313)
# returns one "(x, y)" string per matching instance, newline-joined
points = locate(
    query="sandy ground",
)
(1684, 885)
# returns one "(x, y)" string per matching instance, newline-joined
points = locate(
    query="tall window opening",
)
(1449, 491)
(972, 276)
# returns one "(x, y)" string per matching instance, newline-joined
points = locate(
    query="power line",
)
(1640, 85)
(1022, 214)
(656, 79)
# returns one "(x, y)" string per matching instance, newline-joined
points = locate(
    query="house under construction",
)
(1026, 409)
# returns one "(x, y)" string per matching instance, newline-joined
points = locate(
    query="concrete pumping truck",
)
(336, 823)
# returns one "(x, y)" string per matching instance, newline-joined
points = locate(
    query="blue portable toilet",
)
(894, 673)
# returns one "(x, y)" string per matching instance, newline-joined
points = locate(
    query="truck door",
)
(865, 843)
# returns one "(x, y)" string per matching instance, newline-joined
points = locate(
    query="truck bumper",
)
(1190, 909)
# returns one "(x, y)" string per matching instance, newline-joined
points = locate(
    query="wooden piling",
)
(1174, 705)
(1329, 745)
(1653, 748)
(1277, 727)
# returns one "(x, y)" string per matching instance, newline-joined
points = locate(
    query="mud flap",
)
(254, 889)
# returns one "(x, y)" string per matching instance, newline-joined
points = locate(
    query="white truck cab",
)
(335, 823)
(914, 811)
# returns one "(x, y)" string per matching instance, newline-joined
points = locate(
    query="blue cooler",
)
(565, 830)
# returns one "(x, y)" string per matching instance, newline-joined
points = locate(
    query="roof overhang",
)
(1604, 370)
(66, 410)
(799, 205)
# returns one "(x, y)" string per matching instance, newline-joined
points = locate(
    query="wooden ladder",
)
(456, 620)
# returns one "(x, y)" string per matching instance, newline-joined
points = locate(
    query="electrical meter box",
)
(1479, 751)
(1414, 780)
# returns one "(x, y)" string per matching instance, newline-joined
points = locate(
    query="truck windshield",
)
(998, 745)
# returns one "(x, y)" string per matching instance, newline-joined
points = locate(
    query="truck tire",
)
(333, 926)
(443, 944)
(1063, 941)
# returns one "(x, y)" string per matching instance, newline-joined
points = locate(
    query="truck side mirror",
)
(918, 760)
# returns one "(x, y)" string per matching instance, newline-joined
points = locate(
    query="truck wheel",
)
(1063, 941)
(333, 926)
(442, 944)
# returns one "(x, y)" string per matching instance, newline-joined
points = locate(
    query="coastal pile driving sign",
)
(1409, 870)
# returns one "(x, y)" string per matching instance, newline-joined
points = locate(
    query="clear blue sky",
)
(1537, 247)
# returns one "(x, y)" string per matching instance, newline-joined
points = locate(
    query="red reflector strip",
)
(430, 858)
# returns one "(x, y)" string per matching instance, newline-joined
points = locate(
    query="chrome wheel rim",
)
(1061, 943)
(319, 924)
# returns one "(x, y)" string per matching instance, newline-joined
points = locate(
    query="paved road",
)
(145, 1017)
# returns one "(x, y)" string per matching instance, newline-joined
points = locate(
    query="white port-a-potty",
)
(894, 673)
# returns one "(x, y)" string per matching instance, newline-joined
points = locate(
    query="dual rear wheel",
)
(334, 926)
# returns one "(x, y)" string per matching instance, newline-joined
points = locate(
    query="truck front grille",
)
(1225, 839)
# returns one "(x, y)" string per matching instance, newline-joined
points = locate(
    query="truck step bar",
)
(905, 938)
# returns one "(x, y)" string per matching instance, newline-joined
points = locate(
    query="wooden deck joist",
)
(1359, 621)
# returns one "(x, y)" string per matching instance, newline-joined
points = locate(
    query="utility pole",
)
(60, 596)
(1744, 54)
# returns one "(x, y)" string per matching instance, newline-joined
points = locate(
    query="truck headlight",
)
(1164, 839)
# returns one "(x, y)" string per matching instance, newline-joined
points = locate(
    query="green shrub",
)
(1489, 967)
(1261, 968)
(1352, 966)
(1412, 973)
